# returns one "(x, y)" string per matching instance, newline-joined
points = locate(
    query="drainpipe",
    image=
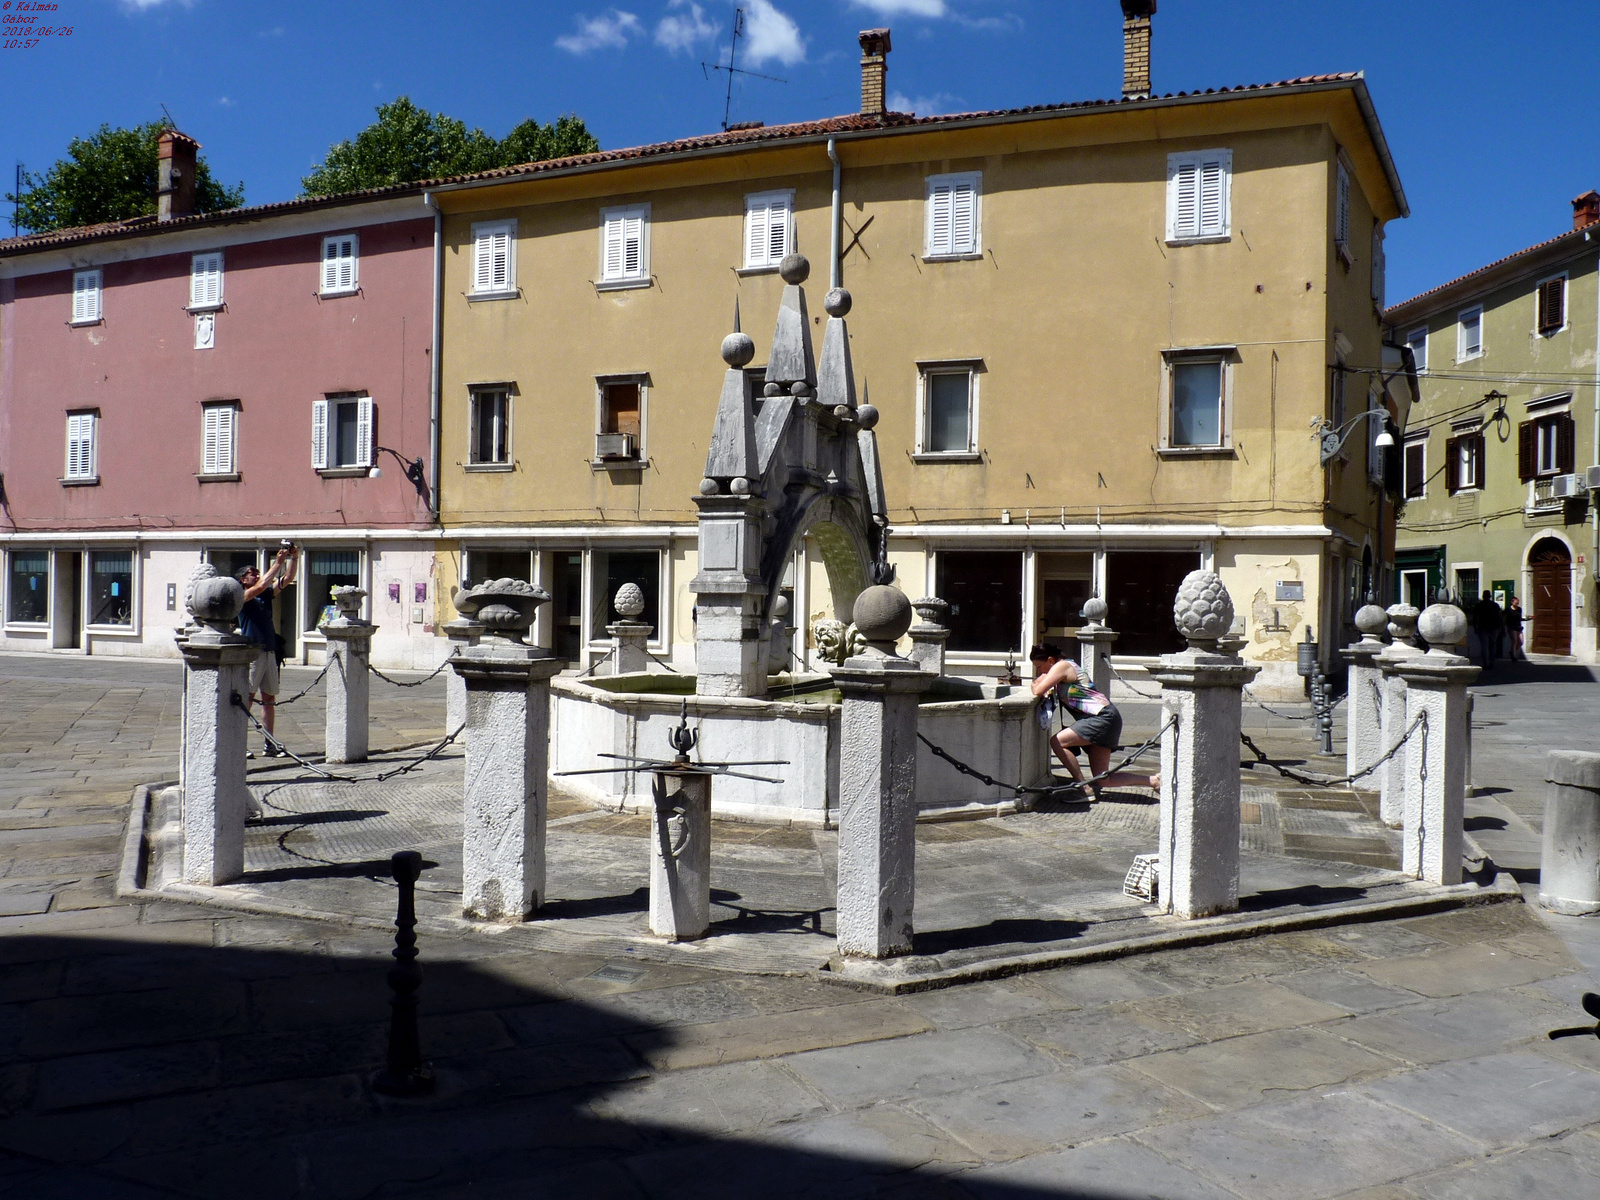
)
(1594, 499)
(433, 353)
(836, 268)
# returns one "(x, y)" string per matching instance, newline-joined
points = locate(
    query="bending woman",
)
(1096, 723)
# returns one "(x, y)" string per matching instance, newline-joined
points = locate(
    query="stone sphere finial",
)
(1371, 621)
(1443, 625)
(738, 349)
(837, 302)
(780, 607)
(866, 416)
(214, 600)
(1203, 610)
(795, 268)
(882, 614)
(629, 601)
(1095, 610)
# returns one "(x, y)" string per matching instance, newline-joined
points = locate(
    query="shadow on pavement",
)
(996, 934)
(1307, 896)
(140, 1069)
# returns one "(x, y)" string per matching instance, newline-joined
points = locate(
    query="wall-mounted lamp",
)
(1333, 439)
(414, 469)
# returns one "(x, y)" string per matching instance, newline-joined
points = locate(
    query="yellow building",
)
(1099, 335)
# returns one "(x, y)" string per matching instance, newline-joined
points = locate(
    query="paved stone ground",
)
(160, 1050)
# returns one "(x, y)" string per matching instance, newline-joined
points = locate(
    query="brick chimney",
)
(175, 176)
(1136, 16)
(874, 70)
(1586, 210)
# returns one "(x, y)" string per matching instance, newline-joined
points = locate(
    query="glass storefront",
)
(29, 587)
(612, 569)
(984, 589)
(326, 570)
(111, 587)
(484, 565)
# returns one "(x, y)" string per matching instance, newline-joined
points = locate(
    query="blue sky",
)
(1488, 106)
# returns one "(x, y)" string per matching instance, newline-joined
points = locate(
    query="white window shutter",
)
(1212, 187)
(80, 446)
(939, 219)
(319, 434)
(205, 280)
(1380, 266)
(347, 263)
(482, 260)
(86, 296)
(500, 260)
(1341, 218)
(758, 233)
(1186, 200)
(633, 246)
(613, 247)
(330, 265)
(210, 432)
(364, 431)
(779, 220)
(963, 219)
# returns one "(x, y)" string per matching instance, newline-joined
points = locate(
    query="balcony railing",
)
(1540, 498)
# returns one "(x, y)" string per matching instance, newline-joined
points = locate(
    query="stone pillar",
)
(508, 755)
(929, 634)
(463, 634)
(680, 856)
(180, 638)
(878, 782)
(1363, 694)
(1392, 722)
(1202, 688)
(349, 683)
(216, 662)
(630, 654)
(1436, 758)
(1094, 645)
(1569, 867)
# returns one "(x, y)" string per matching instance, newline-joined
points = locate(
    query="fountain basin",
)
(993, 729)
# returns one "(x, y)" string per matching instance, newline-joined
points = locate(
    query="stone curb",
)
(882, 979)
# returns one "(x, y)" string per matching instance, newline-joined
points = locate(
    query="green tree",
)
(109, 176)
(407, 143)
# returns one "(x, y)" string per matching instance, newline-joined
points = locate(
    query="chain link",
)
(1337, 781)
(411, 683)
(409, 765)
(1025, 790)
(306, 690)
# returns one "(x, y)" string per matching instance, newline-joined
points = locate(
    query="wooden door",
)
(1552, 608)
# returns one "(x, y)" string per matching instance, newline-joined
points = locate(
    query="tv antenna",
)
(16, 198)
(733, 50)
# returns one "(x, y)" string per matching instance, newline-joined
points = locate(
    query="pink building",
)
(183, 388)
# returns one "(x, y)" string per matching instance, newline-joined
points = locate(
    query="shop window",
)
(326, 570)
(1066, 581)
(29, 587)
(613, 568)
(1140, 588)
(984, 590)
(486, 565)
(111, 587)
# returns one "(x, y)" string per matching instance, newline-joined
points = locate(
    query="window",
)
(1341, 213)
(1416, 468)
(625, 246)
(984, 588)
(28, 587)
(494, 259)
(953, 215)
(768, 228)
(339, 264)
(1375, 426)
(205, 280)
(491, 427)
(610, 569)
(341, 432)
(1337, 407)
(85, 297)
(1197, 195)
(1197, 389)
(326, 570)
(218, 426)
(111, 587)
(81, 449)
(1547, 444)
(1552, 306)
(621, 431)
(486, 565)
(1417, 339)
(1469, 334)
(1464, 462)
(949, 410)
(1380, 266)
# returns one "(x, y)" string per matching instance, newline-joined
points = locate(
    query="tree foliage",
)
(109, 176)
(407, 143)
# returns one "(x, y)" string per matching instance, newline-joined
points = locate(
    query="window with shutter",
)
(205, 280)
(768, 221)
(953, 219)
(1526, 469)
(1341, 214)
(80, 445)
(339, 256)
(1452, 457)
(1198, 186)
(363, 446)
(319, 434)
(1469, 335)
(1416, 470)
(1552, 305)
(85, 297)
(1417, 339)
(1566, 433)
(624, 245)
(217, 438)
(494, 258)
(1472, 466)
(1380, 266)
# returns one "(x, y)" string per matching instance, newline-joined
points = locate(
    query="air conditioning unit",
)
(610, 446)
(1591, 479)
(1567, 487)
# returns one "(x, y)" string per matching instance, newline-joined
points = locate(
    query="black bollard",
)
(405, 1074)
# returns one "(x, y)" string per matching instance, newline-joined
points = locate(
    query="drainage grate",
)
(617, 973)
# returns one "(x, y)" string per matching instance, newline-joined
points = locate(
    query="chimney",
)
(1136, 16)
(874, 71)
(1586, 210)
(175, 175)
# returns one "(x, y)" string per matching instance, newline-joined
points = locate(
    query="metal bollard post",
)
(1471, 788)
(405, 1074)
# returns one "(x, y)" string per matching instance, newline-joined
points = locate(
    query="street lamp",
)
(413, 467)
(1334, 438)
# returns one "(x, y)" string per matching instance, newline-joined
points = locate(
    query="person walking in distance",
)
(1514, 619)
(1096, 725)
(255, 623)
(1487, 619)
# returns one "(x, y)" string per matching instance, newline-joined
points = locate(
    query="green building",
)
(1497, 455)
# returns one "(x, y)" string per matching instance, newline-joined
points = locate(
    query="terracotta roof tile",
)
(1393, 309)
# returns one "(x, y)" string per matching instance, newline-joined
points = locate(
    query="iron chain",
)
(410, 683)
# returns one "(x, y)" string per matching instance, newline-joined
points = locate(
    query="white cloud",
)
(771, 36)
(681, 31)
(904, 8)
(607, 31)
(147, 5)
(226, 102)
(924, 106)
